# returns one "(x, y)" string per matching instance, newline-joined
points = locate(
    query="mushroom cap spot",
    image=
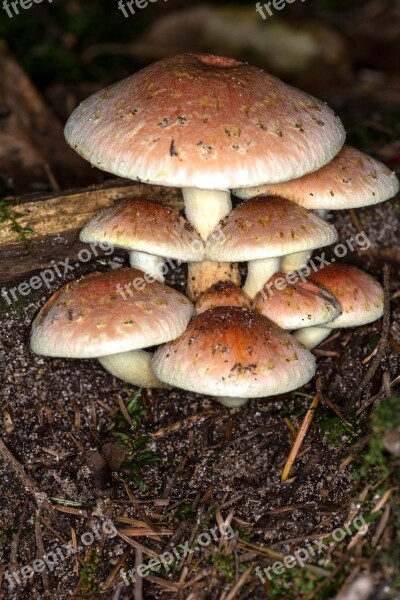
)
(108, 313)
(236, 352)
(351, 180)
(265, 227)
(360, 295)
(295, 305)
(166, 125)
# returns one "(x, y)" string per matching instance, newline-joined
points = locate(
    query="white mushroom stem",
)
(204, 209)
(258, 273)
(311, 337)
(294, 262)
(133, 367)
(148, 263)
(232, 402)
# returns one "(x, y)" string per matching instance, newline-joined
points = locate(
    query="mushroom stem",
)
(232, 402)
(259, 272)
(204, 209)
(311, 337)
(148, 263)
(133, 367)
(296, 261)
(203, 275)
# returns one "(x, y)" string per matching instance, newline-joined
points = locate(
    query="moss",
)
(336, 432)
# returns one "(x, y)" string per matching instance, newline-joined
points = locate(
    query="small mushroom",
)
(233, 354)
(151, 230)
(206, 124)
(360, 297)
(295, 305)
(351, 180)
(112, 316)
(261, 231)
(222, 294)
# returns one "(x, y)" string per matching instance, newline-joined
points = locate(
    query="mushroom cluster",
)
(210, 125)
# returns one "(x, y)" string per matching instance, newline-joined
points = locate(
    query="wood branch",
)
(57, 219)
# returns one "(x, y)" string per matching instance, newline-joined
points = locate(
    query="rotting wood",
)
(57, 219)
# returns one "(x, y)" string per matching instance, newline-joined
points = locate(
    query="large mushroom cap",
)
(268, 226)
(206, 122)
(224, 293)
(295, 305)
(146, 226)
(90, 317)
(231, 351)
(360, 295)
(351, 180)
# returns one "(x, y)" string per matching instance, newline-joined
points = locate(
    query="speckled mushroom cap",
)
(359, 294)
(205, 122)
(90, 318)
(224, 293)
(146, 226)
(268, 226)
(351, 180)
(236, 352)
(295, 305)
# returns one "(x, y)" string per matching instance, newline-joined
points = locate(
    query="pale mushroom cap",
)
(223, 293)
(89, 318)
(351, 180)
(296, 305)
(205, 122)
(360, 295)
(265, 227)
(231, 351)
(146, 226)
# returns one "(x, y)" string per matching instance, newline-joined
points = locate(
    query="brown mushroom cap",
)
(360, 295)
(295, 305)
(145, 226)
(267, 226)
(89, 317)
(224, 293)
(231, 351)
(351, 180)
(206, 122)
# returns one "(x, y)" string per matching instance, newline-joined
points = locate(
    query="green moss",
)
(336, 432)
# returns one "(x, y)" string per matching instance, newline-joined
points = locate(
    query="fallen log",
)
(56, 220)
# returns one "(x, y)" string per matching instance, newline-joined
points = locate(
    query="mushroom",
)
(151, 230)
(360, 296)
(233, 354)
(222, 294)
(112, 316)
(205, 124)
(264, 229)
(351, 180)
(297, 304)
